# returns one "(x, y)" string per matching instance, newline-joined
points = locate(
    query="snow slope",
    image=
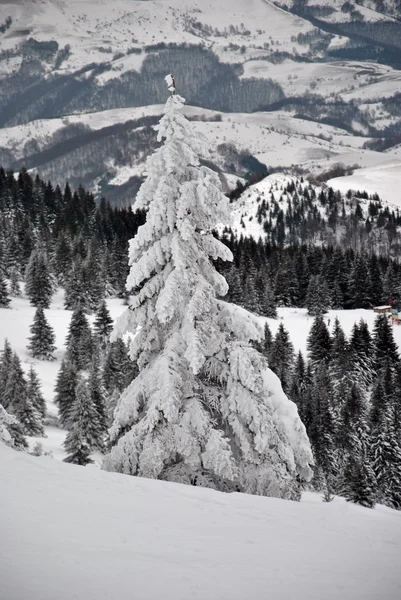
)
(384, 179)
(78, 533)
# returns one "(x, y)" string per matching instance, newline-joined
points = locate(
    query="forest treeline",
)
(348, 391)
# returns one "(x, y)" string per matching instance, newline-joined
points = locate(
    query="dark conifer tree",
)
(62, 258)
(6, 360)
(103, 325)
(386, 456)
(97, 396)
(359, 477)
(362, 355)
(34, 393)
(4, 296)
(282, 357)
(359, 285)
(267, 302)
(385, 346)
(317, 297)
(75, 287)
(84, 431)
(17, 402)
(319, 343)
(286, 287)
(65, 392)
(79, 340)
(15, 289)
(41, 344)
(267, 341)
(323, 429)
(38, 282)
(118, 370)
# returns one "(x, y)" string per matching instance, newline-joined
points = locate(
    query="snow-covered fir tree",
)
(42, 338)
(11, 432)
(205, 408)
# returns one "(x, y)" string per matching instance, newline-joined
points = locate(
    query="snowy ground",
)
(79, 533)
(15, 324)
(384, 179)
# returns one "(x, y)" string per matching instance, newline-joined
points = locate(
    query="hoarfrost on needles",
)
(205, 408)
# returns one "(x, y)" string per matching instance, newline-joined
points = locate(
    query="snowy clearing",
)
(74, 532)
(384, 179)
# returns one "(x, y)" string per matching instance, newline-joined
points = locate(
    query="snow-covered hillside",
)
(74, 532)
(384, 179)
(75, 73)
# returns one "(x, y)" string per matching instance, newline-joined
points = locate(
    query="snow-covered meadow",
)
(80, 533)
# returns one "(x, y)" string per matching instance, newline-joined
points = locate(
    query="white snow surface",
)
(73, 532)
(385, 179)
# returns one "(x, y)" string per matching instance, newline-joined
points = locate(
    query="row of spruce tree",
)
(348, 393)
(263, 277)
(92, 375)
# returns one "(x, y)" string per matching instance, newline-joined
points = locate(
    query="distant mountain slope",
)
(60, 60)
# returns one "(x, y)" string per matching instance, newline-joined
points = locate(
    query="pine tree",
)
(385, 346)
(62, 258)
(359, 285)
(97, 396)
(385, 447)
(41, 344)
(5, 366)
(323, 429)
(34, 393)
(204, 409)
(79, 340)
(319, 343)
(103, 324)
(65, 392)
(38, 281)
(267, 341)
(361, 355)
(75, 290)
(118, 370)
(317, 296)
(83, 434)
(282, 357)
(267, 302)
(15, 288)
(16, 401)
(4, 297)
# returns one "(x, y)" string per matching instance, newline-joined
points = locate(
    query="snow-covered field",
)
(384, 179)
(70, 532)
(15, 324)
